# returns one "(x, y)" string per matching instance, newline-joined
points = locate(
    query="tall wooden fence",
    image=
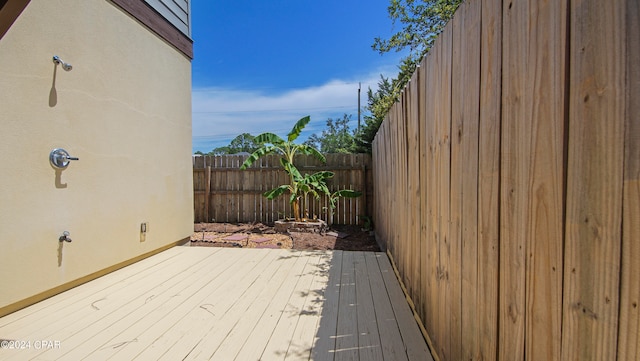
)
(224, 193)
(507, 182)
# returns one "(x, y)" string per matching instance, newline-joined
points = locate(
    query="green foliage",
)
(314, 184)
(333, 198)
(244, 142)
(421, 22)
(367, 222)
(336, 138)
(297, 128)
(299, 185)
(276, 192)
(273, 144)
(309, 184)
(378, 105)
(347, 193)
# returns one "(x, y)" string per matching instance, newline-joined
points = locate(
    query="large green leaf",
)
(324, 189)
(348, 193)
(291, 169)
(264, 150)
(309, 150)
(276, 191)
(322, 176)
(304, 187)
(297, 128)
(317, 182)
(268, 138)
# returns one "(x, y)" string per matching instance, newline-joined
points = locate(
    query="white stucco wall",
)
(124, 110)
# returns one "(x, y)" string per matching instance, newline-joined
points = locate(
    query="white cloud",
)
(220, 114)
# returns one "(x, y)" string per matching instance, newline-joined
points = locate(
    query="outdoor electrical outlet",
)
(144, 226)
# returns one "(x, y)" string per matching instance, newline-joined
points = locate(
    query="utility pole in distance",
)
(359, 85)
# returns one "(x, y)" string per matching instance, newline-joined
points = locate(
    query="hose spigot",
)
(65, 237)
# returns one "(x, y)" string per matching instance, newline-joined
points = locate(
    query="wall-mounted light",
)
(65, 66)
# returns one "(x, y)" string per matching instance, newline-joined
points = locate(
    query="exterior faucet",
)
(64, 237)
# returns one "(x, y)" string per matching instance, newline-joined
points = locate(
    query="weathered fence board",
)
(629, 329)
(443, 182)
(489, 178)
(413, 179)
(533, 134)
(511, 205)
(512, 222)
(464, 173)
(424, 308)
(544, 137)
(224, 193)
(594, 180)
(428, 203)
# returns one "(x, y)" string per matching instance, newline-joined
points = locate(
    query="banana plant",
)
(300, 186)
(273, 144)
(310, 184)
(333, 199)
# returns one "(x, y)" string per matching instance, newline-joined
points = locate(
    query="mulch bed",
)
(259, 235)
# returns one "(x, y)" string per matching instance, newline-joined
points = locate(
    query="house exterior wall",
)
(124, 110)
(162, 20)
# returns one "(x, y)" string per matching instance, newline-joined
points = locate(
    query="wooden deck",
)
(197, 303)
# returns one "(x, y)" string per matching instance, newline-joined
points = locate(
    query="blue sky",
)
(260, 65)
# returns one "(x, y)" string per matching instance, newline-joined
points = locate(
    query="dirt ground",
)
(258, 235)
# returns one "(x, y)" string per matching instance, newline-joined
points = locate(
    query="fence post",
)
(207, 193)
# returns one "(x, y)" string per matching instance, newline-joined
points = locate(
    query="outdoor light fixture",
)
(65, 66)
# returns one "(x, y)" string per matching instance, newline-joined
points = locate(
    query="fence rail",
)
(224, 193)
(512, 166)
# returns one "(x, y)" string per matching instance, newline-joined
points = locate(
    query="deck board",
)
(162, 314)
(325, 340)
(113, 312)
(303, 338)
(283, 317)
(347, 332)
(263, 313)
(188, 331)
(198, 303)
(393, 349)
(183, 326)
(414, 343)
(249, 306)
(67, 300)
(368, 334)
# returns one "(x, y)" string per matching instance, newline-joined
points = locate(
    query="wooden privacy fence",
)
(511, 166)
(224, 193)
